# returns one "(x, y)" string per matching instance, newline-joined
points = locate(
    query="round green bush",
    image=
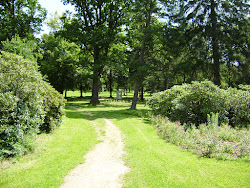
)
(200, 99)
(27, 104)
(239, 107)
(190, 104)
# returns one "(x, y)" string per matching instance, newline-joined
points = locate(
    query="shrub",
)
(25, 104)
(53, 105)
(190, 103)
(201, 99)
(162, 102)
(239, 107)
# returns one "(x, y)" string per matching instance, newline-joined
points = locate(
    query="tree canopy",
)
(148, 45)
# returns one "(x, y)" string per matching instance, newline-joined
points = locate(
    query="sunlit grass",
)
(104, 94)
(153, 162)
(54, 156)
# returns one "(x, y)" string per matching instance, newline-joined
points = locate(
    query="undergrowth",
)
(207, 140)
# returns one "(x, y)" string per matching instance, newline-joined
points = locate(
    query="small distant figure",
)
(119, 95)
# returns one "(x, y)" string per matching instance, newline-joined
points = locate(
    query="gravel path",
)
(103, 167)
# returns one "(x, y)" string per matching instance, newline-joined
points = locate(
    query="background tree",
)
(140, 37)
(23, 47)
(95, 26)
(59, 62)
(20, 17)
(216, 21)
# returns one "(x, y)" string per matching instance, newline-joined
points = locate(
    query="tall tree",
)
(215, 20)
(96, 25)
(59, 62)
(20, 17)
(140, 36)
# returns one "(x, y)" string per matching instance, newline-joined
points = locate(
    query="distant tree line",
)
(143, 45)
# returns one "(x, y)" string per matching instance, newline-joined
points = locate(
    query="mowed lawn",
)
(153, 162)
(54, 156)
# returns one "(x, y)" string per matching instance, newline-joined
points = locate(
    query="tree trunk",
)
(110, 84)
(95, 89)
(81, 88)
(215, 45)
(141, 95)
(135, 98)
(166, 82)
(65, 96)
(96, 78)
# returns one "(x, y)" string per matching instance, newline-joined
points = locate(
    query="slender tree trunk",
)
(96, 78)
(215, 45)
(135, 98)
(95, 89)
(81, 88)
(166, 75)
(142, 94)
(65, 96)
(110, 84)
(166, 82)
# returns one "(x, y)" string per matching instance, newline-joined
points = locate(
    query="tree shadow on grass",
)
(112, 114)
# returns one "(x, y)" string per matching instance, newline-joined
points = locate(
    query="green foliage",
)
(59, 62)
(239, 106)
(20, 17)
(161, 103)
(21, 108)
(23, 47)
(190, 103)
(201, 99)
(25, 104)
(210, 140)
(53, 105)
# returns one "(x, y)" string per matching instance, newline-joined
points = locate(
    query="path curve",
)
(103, 167)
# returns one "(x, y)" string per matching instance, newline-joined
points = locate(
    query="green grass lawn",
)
(153, 162)
(54, 156)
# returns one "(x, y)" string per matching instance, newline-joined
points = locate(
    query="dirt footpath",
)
(103, 167)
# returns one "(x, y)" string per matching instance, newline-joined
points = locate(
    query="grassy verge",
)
(54, 156)
(208, 140)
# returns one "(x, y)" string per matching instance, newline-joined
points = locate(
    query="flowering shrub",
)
(207, 140)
